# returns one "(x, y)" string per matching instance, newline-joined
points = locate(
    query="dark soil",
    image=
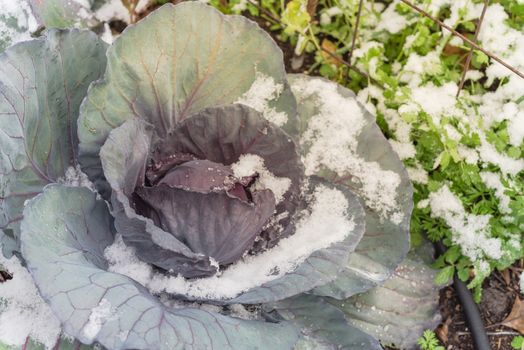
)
(499, 293)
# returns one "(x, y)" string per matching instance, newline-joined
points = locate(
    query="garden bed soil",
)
(500, 291)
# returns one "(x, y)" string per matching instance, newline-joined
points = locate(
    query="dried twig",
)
(270, 16)
(421, 11)
(355, 31)
(492, 334)
(312, 7)
(130, 5)
(353, 68)
(473, 44)
(470, 54)
(339, 59)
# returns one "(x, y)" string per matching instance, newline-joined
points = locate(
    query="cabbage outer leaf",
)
(64, 234)
(63, 343)
(385, 244)
(324, 326)
(398, 312)
(172, 64)
(63, 13)
(42, 83)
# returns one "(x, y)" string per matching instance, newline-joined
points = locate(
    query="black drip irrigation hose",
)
(471, 311)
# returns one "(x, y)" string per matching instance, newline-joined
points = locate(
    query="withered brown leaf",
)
(515, 318)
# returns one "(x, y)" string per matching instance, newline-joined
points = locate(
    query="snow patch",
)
(365, 47)
(452, 133)
(391, 20)
(473, 75)
(469, 155)
(240, 6)
(123, 260)
(331, 141)
(114, 9)
(502, 40)
(417, 174)
(16, 22)
(424, 203)
(404, 150)
(471, 232)
(462, 10)
(99, 315)
(325, 17)
(249, 164)
(107, 35)
(75, 177)
(507, 165)
(23, 313)
(436, 100)
(142, 5)
(240, 311)
(264, 90)
(492, 181)
(516, 129)
(420, 65)
(456, 41)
